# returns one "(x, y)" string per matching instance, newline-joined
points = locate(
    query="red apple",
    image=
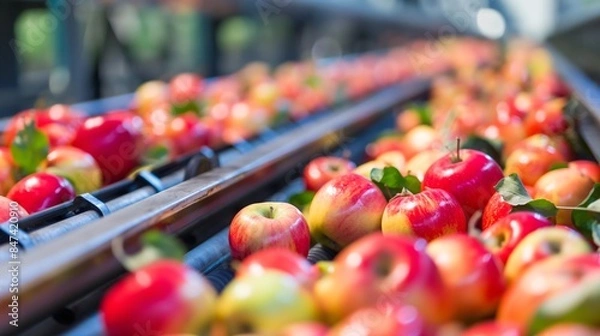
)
(429, 214)
(187, 133)
(546, 242)
(495, 209)
(77, 166)
(344, 210)
(115, 141)
(472, 275)
(543, 280)
(279, 259)
(323, 169)
(531, 163)
(397, 320)
(503, 236)
(383, 145)
(165, 297)
(570, 329)
(589, 168)
(305, 329)
(564, 186)
(494, 328)
(270, 224)
(419, 139)
(11, 209)
(548, 119)
(185, 87)
(39, 191)
(6, 170)
(383, 271)
(469, 176)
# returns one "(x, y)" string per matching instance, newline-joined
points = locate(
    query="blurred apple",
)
(419, 163)
(570, 329)
(305, 329)
(323, 169)
(531, 163)
(589, 168)
(40, 191)
(77, 166)
(11, 209)
(150, 95)
(419, 139)
(6, 170)
(494, 328)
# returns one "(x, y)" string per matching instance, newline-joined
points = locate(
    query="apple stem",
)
(565, 207)
(271, 212)
(457, 158)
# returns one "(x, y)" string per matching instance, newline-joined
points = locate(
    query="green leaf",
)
(577, 304)
(29, 148)
(558, 165)
(542, 206)
(302, 200)
(155, 246)
(587, 221)
(424, 112)
(412, 184)
(169, 247)
(156, 154)
(513, 191)
(391, 182)
(191, 106)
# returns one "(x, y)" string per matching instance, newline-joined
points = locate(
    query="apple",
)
(114, 140)
(393, 159)
(11, 209)
(589, 168)
(419, 163)
(40, 191)
(244, 121)
(542, 281)
(503, 236)
(279, 259)
(268, 224)
(77, 166)
(396, 320)
(407, 120)
(548, 119)
(469, 175)
(383, 145)
(187, 133)
(185, 88)
(6, 170)
(570, 329)
(531, 163)
(166, 297)
(429, 214)
(546, 242)
(555, 143)
(419, 139)
(494, 328)
(495, 209)
(323, 169)
(383, 271)
(344, 210)
(265, 303)
(305, 329)
(471, 273)
(150, 95)
(566, 187)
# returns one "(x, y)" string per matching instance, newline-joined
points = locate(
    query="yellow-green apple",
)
(305, 329)
(323, 169)
(279, 259)
(547, 242)
(429, 214)
(268, 224)
(344, 210)
(265, 303)
(150, 95)
(589, 168)
(531, 163)
(382, 271)
(393, 159)
(6, 170)
(494, 328)
(471, 273)
(419, 163)
(468, 175)
(75, 165)
(394, 320)
(165, 297)
(42, 190)
(11, 209)
(545, 280)
(566, 187)
(365, 169)
(503, 236)
(570, 329)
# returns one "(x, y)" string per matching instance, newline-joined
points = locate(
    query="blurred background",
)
(68, 51)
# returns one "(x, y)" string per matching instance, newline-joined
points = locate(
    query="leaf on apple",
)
(391, 182)
(424, 112)
(558, 165)
(513, 191)
(313, 81)
(191, 106)
(578, 304)
(302, 200)
(156, 154)
(29, 148)
(155, 246)
(587, 222)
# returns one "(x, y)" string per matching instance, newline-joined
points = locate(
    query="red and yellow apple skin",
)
(493, 328)
(541, 281)
(6, 170)
(419, 163)
(502, 237)
(471, 273)
(75, 165)
(305, 329)
(40, 191)
(269, 224)
(471, 178)
(325, 168)
(396, 320)
(279, 259)
(344, 210)
(531, 163)
(546, 242)
(165, 297)
(429, 214)
(11, 209)
(589, 168)
(570, 329)
(264, 304)
(566, 187)
(382, 271)
(419, 139)
(185, 87)
(496, 209)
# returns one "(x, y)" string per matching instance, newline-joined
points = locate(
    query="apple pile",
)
(52, 154)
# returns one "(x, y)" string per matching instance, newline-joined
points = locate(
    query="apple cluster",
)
(491, 234)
